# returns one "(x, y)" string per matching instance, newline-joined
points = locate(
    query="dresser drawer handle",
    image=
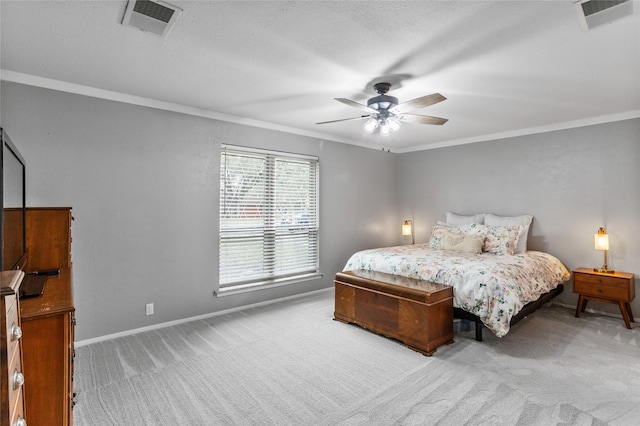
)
(18, 379)
(16, 332)
(21, 422)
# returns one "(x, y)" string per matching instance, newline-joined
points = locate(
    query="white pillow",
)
(443, 223)
(458, 219)
(524, 220)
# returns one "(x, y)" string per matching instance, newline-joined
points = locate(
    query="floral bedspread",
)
(493, 287)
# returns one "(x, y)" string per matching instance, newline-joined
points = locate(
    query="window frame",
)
(271, 234)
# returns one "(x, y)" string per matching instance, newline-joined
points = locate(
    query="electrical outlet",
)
(149, 309)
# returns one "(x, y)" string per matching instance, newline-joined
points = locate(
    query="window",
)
(268, 218)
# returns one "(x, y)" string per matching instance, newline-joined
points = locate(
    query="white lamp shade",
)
(370, 125)
(601, 241)
(393, 123)
(406, 227)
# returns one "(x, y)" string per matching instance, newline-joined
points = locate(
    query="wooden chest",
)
(417, 313)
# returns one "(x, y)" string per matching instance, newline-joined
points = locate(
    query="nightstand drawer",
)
(601, 290)
(601, 286)
(602, 279)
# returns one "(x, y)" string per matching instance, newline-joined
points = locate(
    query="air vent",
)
(156, 17)
(593, 13)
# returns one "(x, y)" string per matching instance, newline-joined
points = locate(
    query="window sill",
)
(263, 285)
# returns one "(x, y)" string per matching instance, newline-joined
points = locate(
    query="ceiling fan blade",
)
(421, 119)
(356, 105)
(344, 119)
(418, 103)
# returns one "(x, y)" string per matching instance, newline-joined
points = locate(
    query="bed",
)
(495, 284)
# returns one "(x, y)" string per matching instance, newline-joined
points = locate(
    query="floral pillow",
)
(502, 239)
(440, 231)
(524, 220)
(497, 239)
(453, 241)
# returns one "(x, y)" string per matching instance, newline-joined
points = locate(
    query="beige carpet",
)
(289, 363)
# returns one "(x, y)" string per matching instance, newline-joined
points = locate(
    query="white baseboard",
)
(591, 311)
(85, 342)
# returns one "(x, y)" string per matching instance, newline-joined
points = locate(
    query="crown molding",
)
(629, 115)
(63, 86)
(78, 89)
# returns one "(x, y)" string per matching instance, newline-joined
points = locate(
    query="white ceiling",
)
(506, 67)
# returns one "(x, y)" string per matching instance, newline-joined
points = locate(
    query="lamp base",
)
(604, 270)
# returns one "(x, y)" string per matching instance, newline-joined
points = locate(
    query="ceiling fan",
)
(385, 113)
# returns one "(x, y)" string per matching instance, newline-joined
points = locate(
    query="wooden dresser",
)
(48, 321)
(11, 388)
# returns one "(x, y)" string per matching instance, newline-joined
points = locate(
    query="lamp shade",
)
(406, 227)
(393, 123)
(370, 125)
(601, 239)
(385, 122)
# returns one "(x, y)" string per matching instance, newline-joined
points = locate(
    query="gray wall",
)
(143, 184)
(571, 181)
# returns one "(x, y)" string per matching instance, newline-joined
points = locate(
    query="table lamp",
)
(601, 240)
(406, 230)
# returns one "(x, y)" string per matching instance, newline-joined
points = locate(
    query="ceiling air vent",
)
(151, 16)
(593, 13)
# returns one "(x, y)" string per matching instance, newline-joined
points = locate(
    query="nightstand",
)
(617, 288)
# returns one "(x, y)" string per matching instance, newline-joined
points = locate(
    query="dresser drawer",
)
(11, 313)
(13, 330)
(601, 286)
(14, 386)
(18, 408)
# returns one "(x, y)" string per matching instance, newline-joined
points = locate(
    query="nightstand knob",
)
(21, 422)
(16, 332)
(18, 380)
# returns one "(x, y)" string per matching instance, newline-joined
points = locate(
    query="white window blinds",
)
(268, 217)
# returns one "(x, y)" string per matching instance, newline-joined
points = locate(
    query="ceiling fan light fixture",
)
(393, 123)
(385, 113)
(370, 125)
